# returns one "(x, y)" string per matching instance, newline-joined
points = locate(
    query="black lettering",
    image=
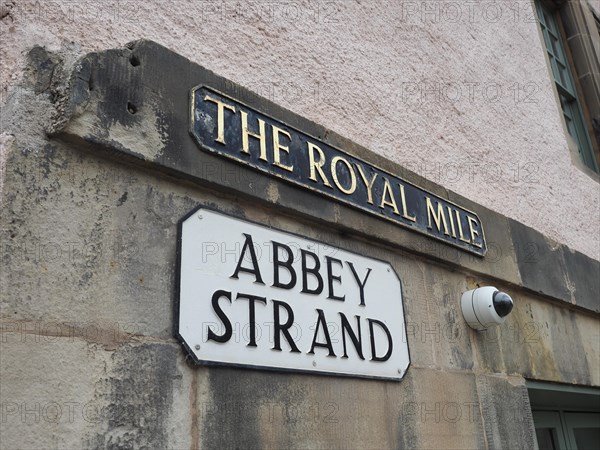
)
(248, 245)
(389, 337)
(252, 314)
(212, 336)
(277, 264)
(278, 328)
(361, 285)
(322, 324)
(357, 341)
(314, 271)
(331, 277)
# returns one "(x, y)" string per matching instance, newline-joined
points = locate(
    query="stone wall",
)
(91, 198)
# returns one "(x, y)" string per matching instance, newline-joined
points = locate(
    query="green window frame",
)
(563, 430)
(549, 431)
(565, 417)
(563, 78)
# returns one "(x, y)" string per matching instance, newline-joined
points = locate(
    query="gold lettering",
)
(440, 219)
(277, 147)
(368, 184)
(387, 190)
(460, 231)
(220, 117)
(473, 231)
(404, 209)
(316, 166)
(451, 221)
(334, 174)
(260, 136)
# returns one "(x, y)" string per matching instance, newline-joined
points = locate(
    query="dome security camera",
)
(485, 307)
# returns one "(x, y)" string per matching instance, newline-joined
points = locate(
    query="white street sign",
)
(253, 296)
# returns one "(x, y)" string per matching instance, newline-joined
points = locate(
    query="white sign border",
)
(208, 363)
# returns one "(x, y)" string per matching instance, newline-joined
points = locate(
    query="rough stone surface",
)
(87, 266)
(90, 112)
(146, 397)
(595, 6)
(48, 396)
(541, 262)
(270, 411)
(88, 240)
(426, 90)
(116, 104)
(69, 393)
(540, 341)
(119, 326)
(552, 269)
(506, 413)
(584, 274)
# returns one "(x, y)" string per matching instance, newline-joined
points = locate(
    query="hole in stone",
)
(134, 60)
(131, 108)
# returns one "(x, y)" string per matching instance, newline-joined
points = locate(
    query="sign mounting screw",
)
(199, 216)
(197, 347)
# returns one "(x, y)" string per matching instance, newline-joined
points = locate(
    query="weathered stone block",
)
(506, 412)
(541, 263)
(64, 392)
(272, 410)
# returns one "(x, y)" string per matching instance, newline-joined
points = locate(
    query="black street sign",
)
(232, 129)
